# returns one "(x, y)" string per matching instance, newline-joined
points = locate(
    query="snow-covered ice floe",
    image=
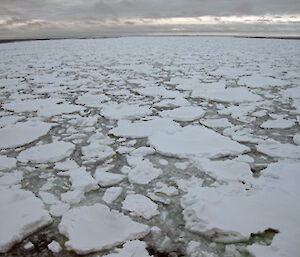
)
(143, 146)
(21, 214)
(94, 228)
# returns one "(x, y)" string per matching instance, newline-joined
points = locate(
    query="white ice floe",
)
(23, 133)
(107, 178)
(196, 141)
(82, 180)
(280, 150)
(186, 184)
(111, 194)
(135, 248)
(219, 92)
(177, 102)
(278, 123)
(59, 209)
(54, 247)
(92, 100)
(143, 172)
(226, 170)
(296, 139)
(140, 205)
(72, 197)
(48, 198)
(28, 246)
(96, 151)
(237, 212)
(165, 189)
(258, 81)
(115, 111)
(188, 113)
(52, 152)
(138, 129)
(21, 214)
(66, 165)
(44, 107)
(11, 178)
(7, 162)
(158, 91)
(216, 123)
(142, 151)
(95, 228)
(8, 120)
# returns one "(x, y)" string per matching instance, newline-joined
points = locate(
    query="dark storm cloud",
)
(17, 14)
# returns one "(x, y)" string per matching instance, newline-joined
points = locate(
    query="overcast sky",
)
(81, 18)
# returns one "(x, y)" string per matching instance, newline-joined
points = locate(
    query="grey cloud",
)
(38, 13)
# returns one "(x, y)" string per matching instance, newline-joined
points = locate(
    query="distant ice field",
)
(150, 146)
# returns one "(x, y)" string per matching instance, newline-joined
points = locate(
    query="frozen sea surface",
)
(157, 146)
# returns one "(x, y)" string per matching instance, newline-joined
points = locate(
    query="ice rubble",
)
(21, 214)
(94, 228)
(23, 133)
(195, 141)
(52, 152)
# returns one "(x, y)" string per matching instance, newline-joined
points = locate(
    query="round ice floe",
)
(53, 152)
(22, 133)
(95, 228)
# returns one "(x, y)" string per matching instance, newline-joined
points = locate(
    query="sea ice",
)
(23, 133)
(54, 247)
(7, 162)
(107, 178)
(216, 123)
(188, 113)
(115, 111)
(112, 194)
(143, 172)
(196, 141)
(92, 100)
(82, 180)
(21, 214)
(135, 248)
(140, 205)
(277, 149)
(44, 107)
(218, 92)
(52, 152)
(95, 228)
(258, 81)
(296, 139)
(138, 129)
(11, 178)
(278, 123)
